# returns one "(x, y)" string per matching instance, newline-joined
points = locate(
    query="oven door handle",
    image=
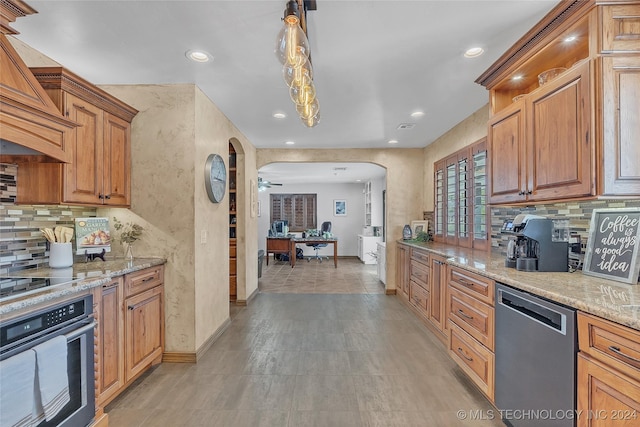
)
(89, 324)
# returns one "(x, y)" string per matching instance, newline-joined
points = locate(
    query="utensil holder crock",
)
(60, 255)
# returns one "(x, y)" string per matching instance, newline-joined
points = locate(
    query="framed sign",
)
(339, 208)
(418, 226)
(612, 249)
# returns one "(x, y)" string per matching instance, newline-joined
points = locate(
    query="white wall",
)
(377, 185)
(345, 228)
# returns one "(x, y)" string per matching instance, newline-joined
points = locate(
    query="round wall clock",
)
(215, 178)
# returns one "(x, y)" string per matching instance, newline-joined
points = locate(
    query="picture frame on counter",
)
(612, 249)
(418, 226)
(339, 207)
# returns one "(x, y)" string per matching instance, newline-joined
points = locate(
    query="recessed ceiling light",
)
(198, 55)
(570, 39)
(517, 77)
(417, 114)
(473, 52)
(290, 142)
(358, 180)
(279, 115)
(393, 141)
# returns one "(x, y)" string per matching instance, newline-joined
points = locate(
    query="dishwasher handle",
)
(526, 307)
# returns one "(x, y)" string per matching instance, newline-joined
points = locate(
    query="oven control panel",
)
(35, 324)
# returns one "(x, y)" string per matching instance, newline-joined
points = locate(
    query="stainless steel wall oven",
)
(74, 320)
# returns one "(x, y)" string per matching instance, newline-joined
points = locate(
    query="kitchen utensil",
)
(57, 232)
(67, 234)
(48, 234)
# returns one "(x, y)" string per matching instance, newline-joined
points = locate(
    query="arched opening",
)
(357, 186)
(237, 209)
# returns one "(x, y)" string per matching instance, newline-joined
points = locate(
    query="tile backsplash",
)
(578, 214)
(22, 245)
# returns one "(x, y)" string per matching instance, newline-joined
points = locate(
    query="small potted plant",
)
(129, 234)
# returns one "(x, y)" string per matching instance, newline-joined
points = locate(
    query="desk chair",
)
(324, 228)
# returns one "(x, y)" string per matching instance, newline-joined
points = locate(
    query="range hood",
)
(31, 126)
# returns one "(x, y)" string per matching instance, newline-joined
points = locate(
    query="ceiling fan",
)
(264, 184)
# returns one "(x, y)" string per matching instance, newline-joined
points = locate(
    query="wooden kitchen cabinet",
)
(402, 270)
(419, 281)
(608, 377)
(575, 137)
(144, 320)
(100, 169)
(471, 328)
(437, 290)
(541, 148)
(129, 336)
(620, 149)
(109, 340)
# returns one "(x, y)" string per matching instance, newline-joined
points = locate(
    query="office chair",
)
(324, 228)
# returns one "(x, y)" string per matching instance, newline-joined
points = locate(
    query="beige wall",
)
(172, 135)
(405, 182)
(464, 133)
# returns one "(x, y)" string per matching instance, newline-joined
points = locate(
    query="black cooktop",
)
(12, 287)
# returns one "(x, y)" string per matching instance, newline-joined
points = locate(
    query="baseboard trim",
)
(390, 291)
(191, 357)
(245, 302)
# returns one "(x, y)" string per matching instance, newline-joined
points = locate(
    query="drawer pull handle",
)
(465, 283)
(461, 351)
(463, 314)
(131, 307)
(616, 350)
(148, 279)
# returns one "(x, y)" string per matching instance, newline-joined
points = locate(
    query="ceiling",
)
(374, 61)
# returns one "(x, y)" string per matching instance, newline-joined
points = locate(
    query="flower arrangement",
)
(129, 232)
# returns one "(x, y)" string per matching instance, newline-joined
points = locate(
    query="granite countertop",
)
(82, 276)
(615, 301)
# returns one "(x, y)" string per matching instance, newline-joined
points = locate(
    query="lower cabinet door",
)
(110, 377)
(144, 330)
(605, 396)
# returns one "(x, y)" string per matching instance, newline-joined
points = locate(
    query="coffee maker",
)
(537, 244)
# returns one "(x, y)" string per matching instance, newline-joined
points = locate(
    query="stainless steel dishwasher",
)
(535, 350)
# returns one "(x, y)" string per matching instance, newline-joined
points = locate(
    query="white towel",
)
(51, 391)
(17, 376)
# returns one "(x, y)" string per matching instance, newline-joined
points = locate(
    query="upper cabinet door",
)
(506, 155)
(117, 161)
(560, 145)
(83, 180)
(620, 126)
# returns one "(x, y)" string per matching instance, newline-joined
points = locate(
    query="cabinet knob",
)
(100, 196)
(529, 192)
(108, 196)
(130, 307)
(520, 193)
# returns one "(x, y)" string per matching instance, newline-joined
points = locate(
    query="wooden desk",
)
(305, 240)
(279, 245)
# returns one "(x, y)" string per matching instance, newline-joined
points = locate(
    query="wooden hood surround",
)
(31, 126)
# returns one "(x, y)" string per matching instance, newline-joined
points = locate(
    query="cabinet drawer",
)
(475, 359)
(613, 344)
(420, 273)
(477, 286)
(419, 296)
(140, 281)
(420, 256)
(474, 317)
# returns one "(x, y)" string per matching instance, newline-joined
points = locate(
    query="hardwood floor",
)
(311, 359)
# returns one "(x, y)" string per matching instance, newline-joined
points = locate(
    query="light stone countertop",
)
(83, 276)
(609, 299)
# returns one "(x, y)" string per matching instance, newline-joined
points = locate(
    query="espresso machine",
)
(537, 244)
